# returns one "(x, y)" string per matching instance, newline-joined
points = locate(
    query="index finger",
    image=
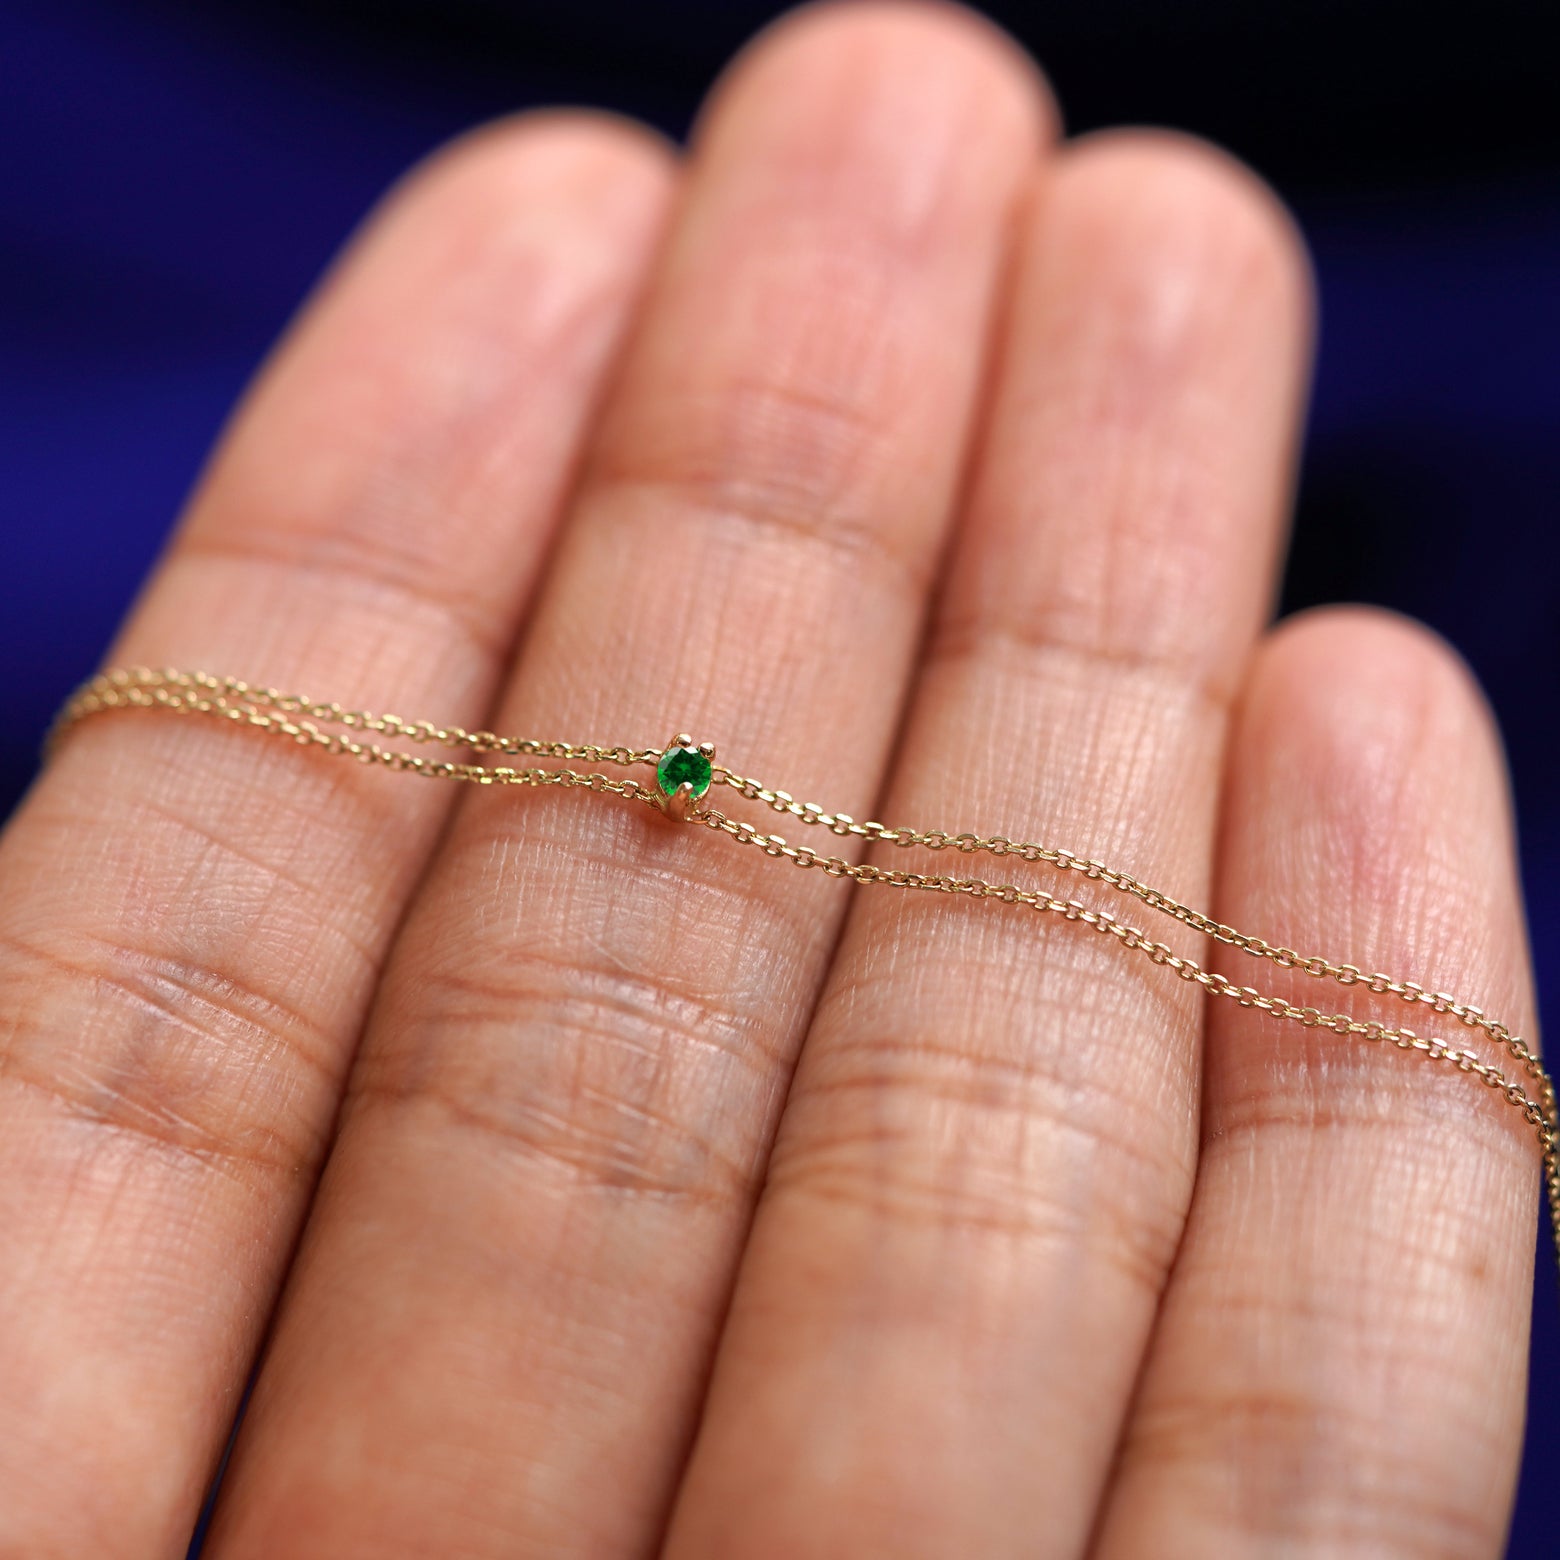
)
(191, 923)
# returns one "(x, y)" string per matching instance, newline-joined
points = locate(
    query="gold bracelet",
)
(686, 773)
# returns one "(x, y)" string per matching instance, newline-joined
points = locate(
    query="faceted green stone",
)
(679, 764)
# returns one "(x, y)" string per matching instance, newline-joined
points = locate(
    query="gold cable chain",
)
(300, 720)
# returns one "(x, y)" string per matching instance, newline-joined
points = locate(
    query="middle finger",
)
(495, 1338)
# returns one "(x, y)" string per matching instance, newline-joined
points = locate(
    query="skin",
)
(596, 1190)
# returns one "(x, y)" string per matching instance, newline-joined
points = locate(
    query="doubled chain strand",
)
(354, 733)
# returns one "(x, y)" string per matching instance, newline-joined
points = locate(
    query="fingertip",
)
(932, 49)
(1371, 733)
(1187, 219)
(615, 165)
(1345, 667)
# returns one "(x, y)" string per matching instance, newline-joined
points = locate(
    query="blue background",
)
(173, 175)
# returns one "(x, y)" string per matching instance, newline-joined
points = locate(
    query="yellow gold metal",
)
(307, 723)
(682, 803)
(679, 804)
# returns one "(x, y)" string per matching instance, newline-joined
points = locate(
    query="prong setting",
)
(680, 803)
(683, 774)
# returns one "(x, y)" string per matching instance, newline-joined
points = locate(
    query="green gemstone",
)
(683, 764)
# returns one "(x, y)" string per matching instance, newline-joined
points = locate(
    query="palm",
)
(933, 475)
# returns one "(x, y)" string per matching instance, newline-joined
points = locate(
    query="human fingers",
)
(191, 921)
(981, 1173)
(1339, 1368)
(502, 1315)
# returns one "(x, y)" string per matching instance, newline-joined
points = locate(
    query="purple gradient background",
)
(173, 175)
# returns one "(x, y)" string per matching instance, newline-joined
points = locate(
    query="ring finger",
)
(989, 1146)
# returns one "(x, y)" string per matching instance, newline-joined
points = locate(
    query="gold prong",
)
(707, 749)
(679, 804)
(682, 739)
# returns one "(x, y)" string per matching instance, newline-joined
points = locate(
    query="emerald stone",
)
(681, 765)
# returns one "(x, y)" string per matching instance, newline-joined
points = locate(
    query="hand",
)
(937, 473)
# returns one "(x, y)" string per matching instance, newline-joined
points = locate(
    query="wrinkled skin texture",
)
(598, 1188)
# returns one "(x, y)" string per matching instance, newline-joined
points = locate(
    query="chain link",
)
(331, 727)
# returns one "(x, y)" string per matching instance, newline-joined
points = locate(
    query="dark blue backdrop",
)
(174, 173)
